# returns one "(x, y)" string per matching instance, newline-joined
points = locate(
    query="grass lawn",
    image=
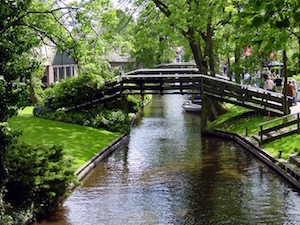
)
(231, 121)
(234, 122)
(80, 142)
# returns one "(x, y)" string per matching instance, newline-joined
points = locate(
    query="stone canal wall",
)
(280, 166)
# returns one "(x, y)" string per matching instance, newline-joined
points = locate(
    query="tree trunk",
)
(209, 50)
(33, 96)
(286, 106)
(196, 49)
(299, 53)
(214, 109)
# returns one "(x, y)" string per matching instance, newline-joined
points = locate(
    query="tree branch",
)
(43, 33)
(18, 19)
(162, 7)
(293, 33)
(130, 17)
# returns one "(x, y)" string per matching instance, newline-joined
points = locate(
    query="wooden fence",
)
(278, 128)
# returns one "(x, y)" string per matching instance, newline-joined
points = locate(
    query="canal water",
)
(167, 174)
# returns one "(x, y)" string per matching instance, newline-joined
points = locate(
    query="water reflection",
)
(168, 175)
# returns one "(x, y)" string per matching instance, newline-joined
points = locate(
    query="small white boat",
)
(190, 107)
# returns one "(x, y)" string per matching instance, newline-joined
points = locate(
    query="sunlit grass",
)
(26, 111)
(80, 142)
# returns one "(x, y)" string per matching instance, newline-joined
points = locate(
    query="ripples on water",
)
(168, 175)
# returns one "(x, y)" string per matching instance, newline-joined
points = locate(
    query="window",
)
(68, 71)
(55, 74)
(44, 79)
(61, 73)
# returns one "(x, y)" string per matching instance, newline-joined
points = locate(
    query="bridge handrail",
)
(279, 118)
(260, 90)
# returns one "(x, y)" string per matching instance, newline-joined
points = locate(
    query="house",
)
(59, 66)
(118, 60)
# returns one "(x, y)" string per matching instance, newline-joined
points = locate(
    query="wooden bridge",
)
(188, 81)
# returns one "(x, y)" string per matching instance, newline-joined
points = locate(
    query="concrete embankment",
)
(280, 166)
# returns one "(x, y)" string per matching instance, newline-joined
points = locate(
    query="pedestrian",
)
(278, 84)
(269, 84)
(258, 78)
(233, 76)
(295, 99)
(225, 69)
(291, 90)
(247, 78)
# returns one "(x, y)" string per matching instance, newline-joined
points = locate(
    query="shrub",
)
(60, 115)
(41, 110)
(43, 175)
(117, 121)
(72, 92)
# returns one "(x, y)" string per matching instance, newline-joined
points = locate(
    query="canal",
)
(167, 174)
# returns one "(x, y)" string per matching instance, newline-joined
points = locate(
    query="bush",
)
(117, 121)
(98, 117)
(72, 92)
(38, 177)
(41, 110)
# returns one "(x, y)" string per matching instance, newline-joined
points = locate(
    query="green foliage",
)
(40, 110)
(42, 173)
(7, 137)
(97, 35)
(9, 217)
(72, 92)
(154, 46)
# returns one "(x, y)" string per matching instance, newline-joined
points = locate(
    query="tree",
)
(24, 25)
(197, 21)
(154, 42)
(96, 33)
(270, 26)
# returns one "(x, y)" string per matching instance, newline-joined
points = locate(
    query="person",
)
(269, 84)
(247, 78)
(225, 69)
(291, 90)
(257, 79)
(295, 98)
(278, 84)
(233, 76)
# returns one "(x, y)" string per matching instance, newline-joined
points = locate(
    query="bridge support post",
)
(124, 103)
(204, 112)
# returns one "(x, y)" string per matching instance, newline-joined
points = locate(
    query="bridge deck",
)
(189, 81)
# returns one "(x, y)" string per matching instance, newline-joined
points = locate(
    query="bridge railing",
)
(250, 97)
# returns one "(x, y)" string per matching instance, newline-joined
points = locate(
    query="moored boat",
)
(188, 106)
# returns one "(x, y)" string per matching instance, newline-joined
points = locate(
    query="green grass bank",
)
(80, 142)
(235, 121)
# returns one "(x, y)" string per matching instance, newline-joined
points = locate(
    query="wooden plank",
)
(280, 126)
(273, 138)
